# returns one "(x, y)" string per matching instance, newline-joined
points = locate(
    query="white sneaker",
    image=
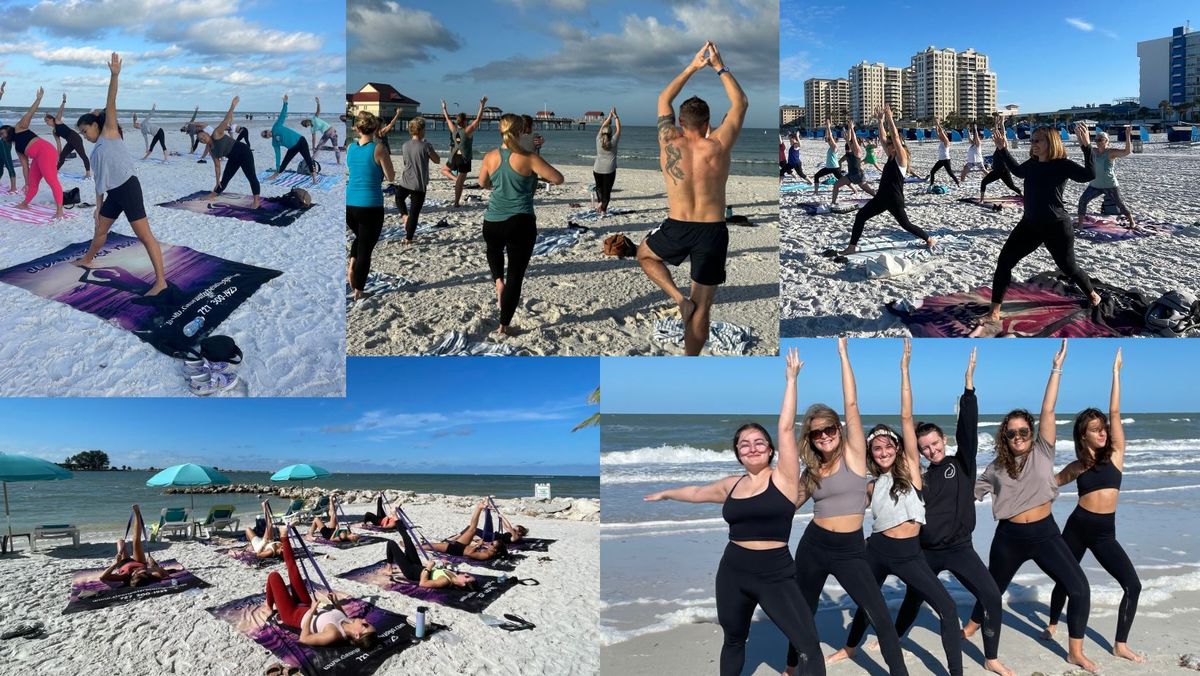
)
(203, 367)
(212, 384)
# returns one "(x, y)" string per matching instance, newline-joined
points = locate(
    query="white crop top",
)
(887, 513)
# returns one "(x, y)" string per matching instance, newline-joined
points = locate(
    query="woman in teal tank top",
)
(369, 163)
(509, 224)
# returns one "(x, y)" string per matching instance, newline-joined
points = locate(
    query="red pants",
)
(43, 163)
(293, 602)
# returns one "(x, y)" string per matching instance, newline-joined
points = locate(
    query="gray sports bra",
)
(841, 493)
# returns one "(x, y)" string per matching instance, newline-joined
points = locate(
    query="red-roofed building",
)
(382, 100)
(593, 116)
(545, 115)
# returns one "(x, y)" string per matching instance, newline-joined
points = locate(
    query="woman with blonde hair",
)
(604, 169)
(462, 137)
(509, 225)
(369, 164)
(1045, 221)
(416, 154)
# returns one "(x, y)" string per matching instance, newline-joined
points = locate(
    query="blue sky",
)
(1045, 58)
(436, 415)
(1008, 374)
(178, 54)
(570, 55)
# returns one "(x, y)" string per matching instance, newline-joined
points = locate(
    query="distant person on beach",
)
(283, 136)
(192, 129)
(974, 154)
(64, 134)
(890, 195)
(509, 224)
(263, 539)
(854, 170)
(386, 129)
(1105, 183)
(380, 516)
(327, 132)
(1097, 471)
(943, 154)
(694, 158)
(789, 157)
(531, 142)
(757, 570)
(604, 169)
(331, 529)
(6, 161)
(38, 158)
(118, 189)
(1023, 486)
(427, 574)
(368, 164)
(348, 121)
(832, 167)
(870, 159)
(136, 570)
(999, 172)
(237, 155)
(458, 163)
(1045, 221)
(416, 154)
(151, 133)
(464, 545)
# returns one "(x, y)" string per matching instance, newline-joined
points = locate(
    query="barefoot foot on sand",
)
(996, 667)
(1122, 650)
(986, 328)
(843, 654)
(158, 288)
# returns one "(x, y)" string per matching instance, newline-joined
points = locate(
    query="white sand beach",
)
(291, 330)
(574, 302)
(820, 297)
(175, 634)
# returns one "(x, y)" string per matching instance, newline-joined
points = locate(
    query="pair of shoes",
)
(516, 623)
(204, 367)
(212, 383)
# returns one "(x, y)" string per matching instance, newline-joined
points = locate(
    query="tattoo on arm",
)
(666, 127)
(673, 168)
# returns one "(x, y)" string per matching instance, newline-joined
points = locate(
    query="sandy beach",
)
(187, 639)
(820, 297)
(574, 302)
(291, 330)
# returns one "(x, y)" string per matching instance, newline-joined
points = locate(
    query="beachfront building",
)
(871, 85)
(791, 115)
(946, 82)
(594, 116)
(382, 100)
(825, 100)
(1169, 68)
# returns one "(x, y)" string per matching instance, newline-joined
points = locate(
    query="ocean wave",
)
(1071, 421)
(627, 525)
(665, 455)
(642, 601)
(649, 476)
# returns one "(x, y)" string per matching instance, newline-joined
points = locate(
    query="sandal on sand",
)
(23, 630)
(986, 328)
(520, 623)
(282, 670)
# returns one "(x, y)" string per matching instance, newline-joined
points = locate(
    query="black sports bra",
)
(22, 140)
(766, 516)
(1099, 477)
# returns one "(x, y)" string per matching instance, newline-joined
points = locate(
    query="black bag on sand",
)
(296, 198)
(220, 349)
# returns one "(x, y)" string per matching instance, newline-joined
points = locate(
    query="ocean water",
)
(101, 500)
(659, 559)
(755, 153)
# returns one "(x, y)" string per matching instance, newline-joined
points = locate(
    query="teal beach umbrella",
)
(189, 474)
(302, 472)
(25, 468)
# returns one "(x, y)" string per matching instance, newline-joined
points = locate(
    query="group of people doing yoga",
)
(922, 522)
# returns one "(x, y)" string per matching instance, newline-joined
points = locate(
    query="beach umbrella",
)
(25, 468)
(189, 474)
(301, 472)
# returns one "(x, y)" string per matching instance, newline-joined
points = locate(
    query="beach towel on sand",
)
(248, 616)
(362, 541)
(1047, 306)
(36, 214)
(996, 203)
(555, 241)
(821, 208)
(271, 211)
(203, 291)
(1107, 229)
(379, 283)
(488, 588)
(292, 179)
(723, 337)
(593, 215)
(88, 592)
(456, 343)
(893, 255)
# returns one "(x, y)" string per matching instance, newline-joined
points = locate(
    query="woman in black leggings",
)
(236, 155)
(890, 195)
(1045, 221)
(413, 569)
(835, 476)
(898, 513)
(756, 568)
(998, 173)
(943, 153)
(1022, 482)
(1100, 453)
(63, 133)
(832, 167)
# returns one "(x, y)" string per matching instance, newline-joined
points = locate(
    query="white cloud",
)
(796, 67)
(1081, 24)
(74, 56)
(92, 18)
(235, 35)
(568, 5)
(386, 32)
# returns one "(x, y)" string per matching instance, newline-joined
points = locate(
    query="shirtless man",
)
(695, 163)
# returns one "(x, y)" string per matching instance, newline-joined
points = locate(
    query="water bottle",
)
(728, 212)
(174, 582)
(503, 579)
(420, 629)
(193, 327)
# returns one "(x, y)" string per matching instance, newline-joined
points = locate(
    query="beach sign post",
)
(189, 474)
(24, 468)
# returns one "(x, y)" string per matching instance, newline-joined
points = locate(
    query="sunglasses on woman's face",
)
(1022, 432)
(831, 431)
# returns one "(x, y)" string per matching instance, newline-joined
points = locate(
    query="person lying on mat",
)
(464, 543)
(379, 517)
(412, 569)
(262, 538)
(139, 569)
(331, 529)
(512, 533)
(319, 625)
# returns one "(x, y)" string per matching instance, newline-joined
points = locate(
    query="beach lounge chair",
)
(295, 512)
(55, 532)
(220, 517)
(173, 520)
(321, 507)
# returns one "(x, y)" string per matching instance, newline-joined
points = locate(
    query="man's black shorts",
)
(705, 243)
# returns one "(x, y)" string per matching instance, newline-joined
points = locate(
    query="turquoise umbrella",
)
(300, 472)
(25, 468)
(189, 474)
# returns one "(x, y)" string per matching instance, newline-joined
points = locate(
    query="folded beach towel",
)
(554, 241)
(456, 343)
(723, 337)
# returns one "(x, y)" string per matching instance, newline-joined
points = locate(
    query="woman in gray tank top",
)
(458, 163)
(604, 170)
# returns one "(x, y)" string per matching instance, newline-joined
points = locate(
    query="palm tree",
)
(593, 419)
(1164, 107)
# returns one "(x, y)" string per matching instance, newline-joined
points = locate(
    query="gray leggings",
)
(1113, 194)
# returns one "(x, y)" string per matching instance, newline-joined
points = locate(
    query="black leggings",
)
(998, 175)
(376, 517)
(73, 141)
(408, 558)
(243, 135)
(366, 223)
(902, 557)
(942, 164)
(1059, 238)
(195, 141)
(160, 139)
(972, 574)
(822, 553)
(517, 235)
(239, 158)
(301, 147)
(881, 202)
(837, 173)
(762, 577)
(6, 161)
(1098, 532)
(1016, 543)
(414, 211)
(604, 186)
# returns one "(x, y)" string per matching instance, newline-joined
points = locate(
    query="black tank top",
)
(1099, 477)
(766, 516)
(63, 131)
(22, 140)
(892, 180)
